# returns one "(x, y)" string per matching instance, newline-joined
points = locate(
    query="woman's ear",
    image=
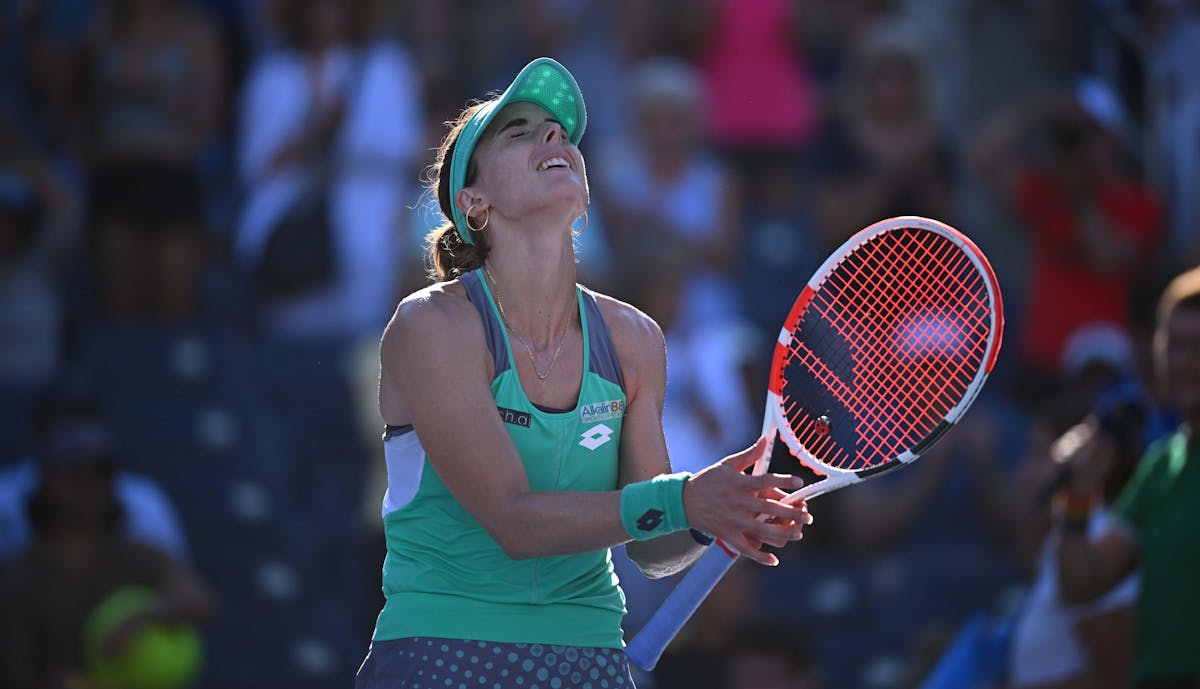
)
(470, 200)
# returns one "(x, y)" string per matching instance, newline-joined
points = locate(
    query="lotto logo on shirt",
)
(602, 411)
(595, 436)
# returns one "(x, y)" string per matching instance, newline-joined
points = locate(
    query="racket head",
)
(885, 348)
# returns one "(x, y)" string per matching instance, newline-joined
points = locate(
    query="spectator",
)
(1093, 225)
(154, 100)
(330, 127)
(782, 247)
(884, 155)
(664, 187)
(1096, 356)
(1059, 646)
(147, 514)
(77, 558)
(1156, 513)
(761, 99)
(707, 406)
(38, 216)
(1173, 123)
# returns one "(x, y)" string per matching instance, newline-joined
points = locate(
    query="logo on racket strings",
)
(822, 425)
(595, 436)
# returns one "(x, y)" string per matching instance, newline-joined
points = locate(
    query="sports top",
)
(444, 575)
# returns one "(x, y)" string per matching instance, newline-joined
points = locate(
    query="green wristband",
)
(650, 509)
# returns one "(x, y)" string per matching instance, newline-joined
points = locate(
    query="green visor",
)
(543, 82)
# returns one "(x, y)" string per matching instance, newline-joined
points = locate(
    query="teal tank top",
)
(444, 576)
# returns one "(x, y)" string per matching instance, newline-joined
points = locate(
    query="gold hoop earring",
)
(580, 232)
(481, 228)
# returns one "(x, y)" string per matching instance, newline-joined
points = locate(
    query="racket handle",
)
(648, 645)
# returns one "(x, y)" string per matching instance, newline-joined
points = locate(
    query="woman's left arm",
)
(641, 348)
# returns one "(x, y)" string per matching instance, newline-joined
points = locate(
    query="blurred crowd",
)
(189, 434)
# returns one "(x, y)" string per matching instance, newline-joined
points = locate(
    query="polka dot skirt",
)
(424, 663)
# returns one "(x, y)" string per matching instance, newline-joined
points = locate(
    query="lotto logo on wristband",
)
(650, 520)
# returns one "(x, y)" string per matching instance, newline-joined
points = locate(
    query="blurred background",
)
(171, 375)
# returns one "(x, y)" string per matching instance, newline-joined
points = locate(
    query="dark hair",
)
(447, 255)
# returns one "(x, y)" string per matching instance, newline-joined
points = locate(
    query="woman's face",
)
(527, 165)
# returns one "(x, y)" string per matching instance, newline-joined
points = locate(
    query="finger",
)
(779, 510)
(746, 458)
(772, 494)
(755, 528)
(752, 548)
(776, 542)
(784, 482)
(770, 533)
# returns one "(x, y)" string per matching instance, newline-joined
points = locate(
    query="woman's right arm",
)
(434, 369)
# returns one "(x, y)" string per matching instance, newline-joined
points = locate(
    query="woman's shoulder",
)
(440, 304)
(440, 312)
(627, 324)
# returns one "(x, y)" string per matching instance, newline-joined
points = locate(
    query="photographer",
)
(1057, 645)
(1155, 515)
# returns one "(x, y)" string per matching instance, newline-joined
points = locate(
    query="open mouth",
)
(555, 162)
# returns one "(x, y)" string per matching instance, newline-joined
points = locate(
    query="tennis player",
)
(1156, 514)
(524, 430)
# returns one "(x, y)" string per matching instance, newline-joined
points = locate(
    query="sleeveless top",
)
(444, 576)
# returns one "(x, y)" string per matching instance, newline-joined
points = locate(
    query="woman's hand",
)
(730, 505)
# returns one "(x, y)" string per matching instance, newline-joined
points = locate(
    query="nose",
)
(554, 131)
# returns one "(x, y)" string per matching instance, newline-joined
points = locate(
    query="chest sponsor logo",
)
(596, 436)
(516, 418)
(602, 411)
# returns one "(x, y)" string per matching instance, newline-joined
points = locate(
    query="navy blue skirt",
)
(426, 663)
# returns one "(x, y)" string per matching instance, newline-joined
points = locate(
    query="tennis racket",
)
(883, 351)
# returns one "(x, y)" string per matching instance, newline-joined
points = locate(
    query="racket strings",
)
(904, 323)
(920, 302)
(933, 310)
(940, 383)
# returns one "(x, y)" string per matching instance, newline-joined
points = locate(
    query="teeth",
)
(554, 162)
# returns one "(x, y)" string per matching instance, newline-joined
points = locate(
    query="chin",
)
(571, 193)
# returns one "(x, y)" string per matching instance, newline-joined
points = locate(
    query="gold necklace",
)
(528, 344)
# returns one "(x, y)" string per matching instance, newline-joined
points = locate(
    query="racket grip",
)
(648, 645)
